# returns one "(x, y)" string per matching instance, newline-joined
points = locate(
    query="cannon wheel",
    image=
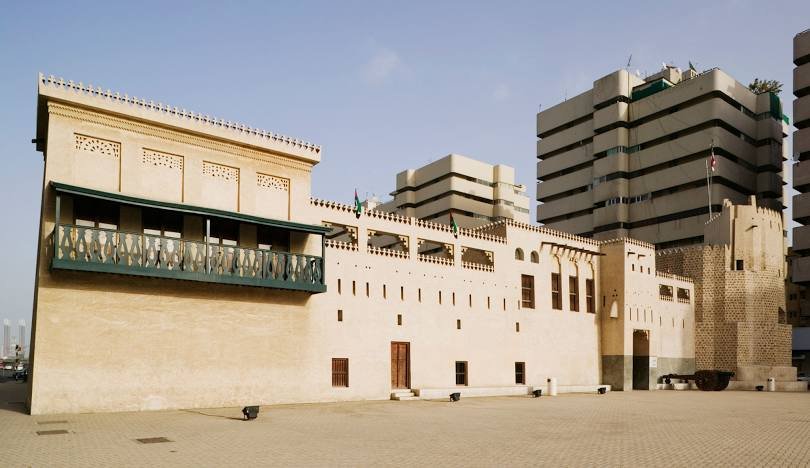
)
(722, 382)
(708, 381)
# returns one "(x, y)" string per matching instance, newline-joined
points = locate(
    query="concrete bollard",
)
(552, 386)
(771, 384)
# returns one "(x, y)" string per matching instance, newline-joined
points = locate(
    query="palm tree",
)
(765, 86)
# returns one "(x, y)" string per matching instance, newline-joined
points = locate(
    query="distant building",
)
(476, 193)
(7, 351)
(629, 157)
(800, 272)
(22, 332)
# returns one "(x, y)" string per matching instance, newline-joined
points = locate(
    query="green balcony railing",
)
(112, 251)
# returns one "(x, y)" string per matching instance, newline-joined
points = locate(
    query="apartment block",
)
(630, 157)
(800, 263)
(475, 192)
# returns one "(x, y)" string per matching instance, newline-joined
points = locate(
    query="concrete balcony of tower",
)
(110, 233)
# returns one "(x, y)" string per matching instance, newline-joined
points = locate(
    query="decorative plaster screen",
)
(220, 186)
(160, 175)
(156, 158)
(272, 196)
(97, 163)
(97, 145)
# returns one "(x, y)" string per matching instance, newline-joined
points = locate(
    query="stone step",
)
(403, 395)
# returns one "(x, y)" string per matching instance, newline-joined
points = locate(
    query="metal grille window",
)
(590, 302)
(461, 372)
(527, 291)
(573, 293)
(520, 373)
(556, 293)
(340, 372)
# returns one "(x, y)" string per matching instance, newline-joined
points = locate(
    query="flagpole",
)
(709, 189)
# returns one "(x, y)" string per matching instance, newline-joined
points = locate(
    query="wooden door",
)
(400, 365)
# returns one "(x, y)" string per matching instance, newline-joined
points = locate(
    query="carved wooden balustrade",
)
(112, 251)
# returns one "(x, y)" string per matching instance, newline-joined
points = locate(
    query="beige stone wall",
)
(740, 313)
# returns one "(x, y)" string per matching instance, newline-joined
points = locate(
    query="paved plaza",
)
(659, 428)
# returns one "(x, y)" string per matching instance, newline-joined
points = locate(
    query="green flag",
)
(358, 207)
(454, 225)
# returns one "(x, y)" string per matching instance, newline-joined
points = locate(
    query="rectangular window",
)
(527, 291)
(740, 265)
(520, 373)
(340, 315)
(354, 288)
(419, 294)
(95, 213)
(368, 290)
(162, 223)
(461, 372)
(573, 293)
(399, 319)
(590, 302)
(338, 285)
(340, 372)
(402, 293)
(556, 294)
(268, 238)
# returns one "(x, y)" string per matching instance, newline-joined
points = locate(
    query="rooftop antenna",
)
(629, 61)
(566, 95)
(539, 107)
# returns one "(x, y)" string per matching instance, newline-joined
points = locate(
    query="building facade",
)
(629, 157)
(740, 313)
(800, 264)
(476, 193)
(183, 264)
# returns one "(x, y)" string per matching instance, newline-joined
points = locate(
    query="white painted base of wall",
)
(519, 390)
(780, 386)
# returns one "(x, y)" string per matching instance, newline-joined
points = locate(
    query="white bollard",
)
(552, 386)
(771, 384)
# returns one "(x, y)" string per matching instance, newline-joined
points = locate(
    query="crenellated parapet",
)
(672, 276)
(96, 95)
(627, 240)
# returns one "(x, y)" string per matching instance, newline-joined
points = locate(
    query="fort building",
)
(475, 192)
(630, 156)
(740, 314)
(182, 263)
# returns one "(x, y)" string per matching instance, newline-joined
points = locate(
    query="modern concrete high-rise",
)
(801, 150)
(6, 338)
(475, 192)
(630, 157)
(22, 332)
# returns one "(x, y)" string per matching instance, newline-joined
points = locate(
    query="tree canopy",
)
(765, 86)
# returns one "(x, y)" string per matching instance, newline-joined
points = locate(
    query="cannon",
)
(706, 380)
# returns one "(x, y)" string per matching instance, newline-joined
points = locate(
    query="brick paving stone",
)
(658, 428)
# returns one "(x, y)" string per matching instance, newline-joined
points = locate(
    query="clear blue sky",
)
(382, 86)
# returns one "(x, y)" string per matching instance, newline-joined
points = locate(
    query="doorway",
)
(641, 359)
(400, 365)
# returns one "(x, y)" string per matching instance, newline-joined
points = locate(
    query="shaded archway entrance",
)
(641, 359)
